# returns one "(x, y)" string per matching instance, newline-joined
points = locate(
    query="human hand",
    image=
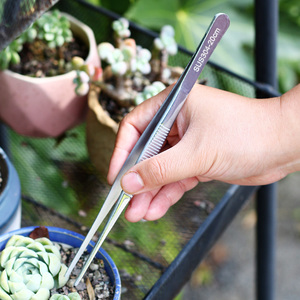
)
(216, 136)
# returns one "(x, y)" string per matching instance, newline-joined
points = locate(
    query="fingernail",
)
(132, 182)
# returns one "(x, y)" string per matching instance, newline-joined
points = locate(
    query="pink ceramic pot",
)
(45, 107)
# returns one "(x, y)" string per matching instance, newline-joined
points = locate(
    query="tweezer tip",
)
(77, 282)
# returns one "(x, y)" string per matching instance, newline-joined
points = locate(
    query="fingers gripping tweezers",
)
(152, 139)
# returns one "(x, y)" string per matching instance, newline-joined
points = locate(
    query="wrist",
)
(290, 130)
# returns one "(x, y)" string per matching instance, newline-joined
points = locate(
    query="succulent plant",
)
(164, 46)
(11, 54)
(166, 40)
(30, 269)
(121, 28)
(51, 27)
(130, 68)
(71, 296)
(149, 91)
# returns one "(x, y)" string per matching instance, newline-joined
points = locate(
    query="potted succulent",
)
(33, 262)
(130, 75)
(37, 90)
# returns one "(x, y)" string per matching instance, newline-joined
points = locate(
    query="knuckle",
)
(158, 171)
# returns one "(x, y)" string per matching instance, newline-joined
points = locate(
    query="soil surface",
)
(38, 60)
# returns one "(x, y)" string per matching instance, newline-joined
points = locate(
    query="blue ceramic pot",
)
(10, 195)
(75, 240)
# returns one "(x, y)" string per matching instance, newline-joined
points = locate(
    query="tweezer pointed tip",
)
(77, 281)
(69, 271)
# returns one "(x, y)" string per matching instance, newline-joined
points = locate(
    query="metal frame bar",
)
(266, 27)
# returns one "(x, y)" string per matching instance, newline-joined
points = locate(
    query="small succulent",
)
(149, 91)
(126, 60)
(11, 54)
(121, 28)
(130, 68)
(30, 269)
(85, 74)
(71, 296)
(51, 27)
(166, 40)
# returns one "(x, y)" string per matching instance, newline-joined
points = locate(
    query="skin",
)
(217, 135)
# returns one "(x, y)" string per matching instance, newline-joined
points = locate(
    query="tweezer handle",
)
(210, 40)
(180, 91)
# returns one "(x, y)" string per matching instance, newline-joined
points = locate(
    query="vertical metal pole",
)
(266, 26)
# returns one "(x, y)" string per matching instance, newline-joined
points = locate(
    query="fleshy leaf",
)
(19, 263)
(4, 295)
(62, 279)
(54, 264)
(74, 296)
(47, 281)
(42, 294)
(15, 277)
(4, 281)
(9, 265)
(52, 249)
(44, 241)
(34, 283)
(36, 247)
(22, 295)
(5, 255)
(16, 286)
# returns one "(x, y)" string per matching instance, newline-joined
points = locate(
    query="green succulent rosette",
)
(29, 269)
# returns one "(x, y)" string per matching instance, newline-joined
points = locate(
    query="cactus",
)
(30, 269)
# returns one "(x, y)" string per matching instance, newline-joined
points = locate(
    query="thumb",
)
(169, 166)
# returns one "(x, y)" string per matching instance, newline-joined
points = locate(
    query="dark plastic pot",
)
(10, 195)
(73, 239)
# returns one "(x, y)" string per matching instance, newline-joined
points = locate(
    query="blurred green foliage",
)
(190, 19)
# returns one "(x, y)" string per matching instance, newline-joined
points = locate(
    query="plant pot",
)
(75, 240)
(45, 107)
(10, 195)
(101, 132)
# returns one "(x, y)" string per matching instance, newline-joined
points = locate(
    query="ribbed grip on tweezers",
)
(156, 142)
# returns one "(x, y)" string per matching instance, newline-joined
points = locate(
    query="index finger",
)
(130, 130)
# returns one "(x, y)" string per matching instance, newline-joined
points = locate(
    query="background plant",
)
(131, 73)
(191, 17)
(52, 28)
